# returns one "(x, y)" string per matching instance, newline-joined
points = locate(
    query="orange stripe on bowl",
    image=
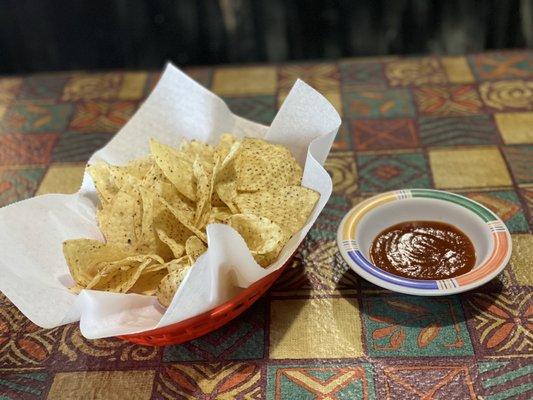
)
(501, 246)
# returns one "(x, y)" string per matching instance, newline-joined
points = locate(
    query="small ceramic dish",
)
(489, 235)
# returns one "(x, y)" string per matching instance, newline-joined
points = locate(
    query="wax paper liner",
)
(33, 271)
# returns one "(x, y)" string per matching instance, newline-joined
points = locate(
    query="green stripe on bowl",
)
(482, 212)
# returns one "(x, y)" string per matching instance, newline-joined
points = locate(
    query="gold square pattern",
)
(468, 168)
(62, 178)
(108, 385)
(457, 69)
(315, 328)
(132, 87)
(515, 128)
(522, 258)
(245, 81)
(9, 88)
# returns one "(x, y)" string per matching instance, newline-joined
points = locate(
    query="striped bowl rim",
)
(492, 265)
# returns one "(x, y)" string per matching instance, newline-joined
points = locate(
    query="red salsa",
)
(423, 250)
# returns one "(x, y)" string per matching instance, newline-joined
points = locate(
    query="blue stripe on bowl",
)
(360, 260)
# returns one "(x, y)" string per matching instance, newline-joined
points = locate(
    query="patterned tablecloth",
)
(458, 123)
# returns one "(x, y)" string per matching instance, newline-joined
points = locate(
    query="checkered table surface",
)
(463, 124)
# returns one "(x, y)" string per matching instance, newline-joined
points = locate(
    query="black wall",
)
(43, 35)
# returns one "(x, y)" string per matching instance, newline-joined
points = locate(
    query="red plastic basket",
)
(209, 321)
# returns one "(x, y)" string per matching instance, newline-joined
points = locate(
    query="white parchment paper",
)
(33, 271)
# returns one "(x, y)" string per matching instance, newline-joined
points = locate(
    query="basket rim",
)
(212, 313)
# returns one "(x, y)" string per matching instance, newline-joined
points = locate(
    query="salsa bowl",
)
(489, 235)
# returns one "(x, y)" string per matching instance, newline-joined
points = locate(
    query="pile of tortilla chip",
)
(154, 212)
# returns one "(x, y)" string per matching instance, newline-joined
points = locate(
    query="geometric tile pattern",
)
(383, 134)
(26, 149)
(527, 198)
(341, 166)
(508, 95)
(509, 65)
(320, 382)
(501, 322)
(506, 204)
(323, 77)
(448, 101)
(239, 341)
(360, 74)
(22, 343)
(23, 385)
(457, 123)
(36, 117)
(520, 159)
(78, 147)
(373, 103)
(95, 116)
(505, 380)
(47, 88)
(92, 86)
(76, 352)
(18, 183)
(415, 71)
(412, 326)
(381, 172)
(427, 382)
(234, 380)
(451, 131)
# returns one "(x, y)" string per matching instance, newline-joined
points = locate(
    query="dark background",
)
(45, 35)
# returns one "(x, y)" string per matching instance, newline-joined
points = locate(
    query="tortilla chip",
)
(101, 176)
(260, 234)
(148, 282)
(225, 142)
(178, 264)
(289, 207)
(227, 192)
(139, 168)
(176, 168)
(260, 165)
(148, 237)
(203, 191)
(195, 149)
(185, 220)
(121, 220)
(84, 255)
(119, 276)
(154, 211)
(219, 215)
(264, 238)
(169, 285)
(173, 228)
(154, 178)
(176, 248)
(194, 248)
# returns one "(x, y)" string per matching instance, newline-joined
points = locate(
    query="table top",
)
(463, 124)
